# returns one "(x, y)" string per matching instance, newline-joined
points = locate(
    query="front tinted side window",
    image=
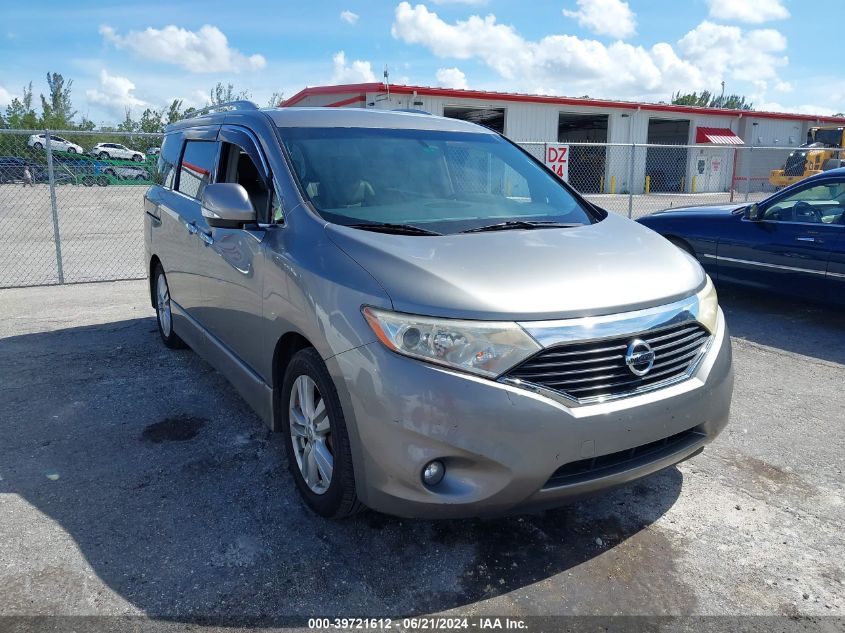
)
(237, 166)
(167, 159)
(196, 166)
(819, 204)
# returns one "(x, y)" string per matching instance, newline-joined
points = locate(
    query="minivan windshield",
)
(427, 181)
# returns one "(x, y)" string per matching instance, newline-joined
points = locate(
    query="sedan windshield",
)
(442, 182)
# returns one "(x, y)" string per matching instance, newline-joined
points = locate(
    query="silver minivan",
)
(438, 325)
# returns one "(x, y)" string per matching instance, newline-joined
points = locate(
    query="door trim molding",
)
(734, 260)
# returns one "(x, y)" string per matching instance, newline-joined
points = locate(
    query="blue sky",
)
(780, 53)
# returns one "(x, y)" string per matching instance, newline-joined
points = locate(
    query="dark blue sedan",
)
(791, 243)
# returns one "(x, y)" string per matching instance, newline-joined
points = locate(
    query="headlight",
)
(487, 348)
(708, 306)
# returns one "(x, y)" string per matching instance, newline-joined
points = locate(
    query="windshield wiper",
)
(387, 227)
(522, 224)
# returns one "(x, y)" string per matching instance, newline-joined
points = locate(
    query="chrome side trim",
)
(837, 275)
(765, 265)
(588, 329)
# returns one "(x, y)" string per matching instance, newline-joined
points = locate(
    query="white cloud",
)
(783, 86)
(752, 11)
(605, 17)
(451, 78)
(5, 96)
(566, 64)
(474, 3)
(349, 17)
(204, 51)
(115, 93)
(356, 72)
(725, 50)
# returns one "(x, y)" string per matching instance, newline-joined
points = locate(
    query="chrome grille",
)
(597, 369)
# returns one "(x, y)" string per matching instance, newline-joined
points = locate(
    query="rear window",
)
(441, 181)
(195, 168)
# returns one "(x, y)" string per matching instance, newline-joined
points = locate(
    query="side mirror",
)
(754, 213)
(226, 205)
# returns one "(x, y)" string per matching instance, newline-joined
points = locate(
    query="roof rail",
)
(229, 105)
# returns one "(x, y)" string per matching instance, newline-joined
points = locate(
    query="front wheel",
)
(164, 312)
(38, 146)
(71, 150)
(137, 158)
(316, 439)
(103, 155)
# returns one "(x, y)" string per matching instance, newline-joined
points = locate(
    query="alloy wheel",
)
(165, 318)
(310, 432)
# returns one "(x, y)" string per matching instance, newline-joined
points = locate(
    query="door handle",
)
(192, 228)
(806, 239)
(206, 237)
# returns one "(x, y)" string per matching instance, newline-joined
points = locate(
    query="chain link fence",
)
(635, 180)
(71, 203)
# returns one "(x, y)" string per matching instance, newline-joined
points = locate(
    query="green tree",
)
(174, 111)
(275, 99)
(19, 113)
(57, 110)
(86, 124)
(707, 100)
(151, 121)
(223, 94)
(128, 124)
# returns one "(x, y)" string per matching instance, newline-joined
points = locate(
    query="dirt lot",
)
(134, 481)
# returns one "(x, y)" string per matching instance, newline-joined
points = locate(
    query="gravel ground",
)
(133, 481)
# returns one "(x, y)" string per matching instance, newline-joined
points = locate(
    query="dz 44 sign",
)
(556, 158)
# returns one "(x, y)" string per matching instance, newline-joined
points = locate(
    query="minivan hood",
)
(613, 266)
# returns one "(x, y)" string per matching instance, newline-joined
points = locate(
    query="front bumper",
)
(500, 443)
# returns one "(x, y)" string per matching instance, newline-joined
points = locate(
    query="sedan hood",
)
(609, 267)
(715, 209)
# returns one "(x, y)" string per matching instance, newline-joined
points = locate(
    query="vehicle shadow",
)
(786, 324)
(181, 503)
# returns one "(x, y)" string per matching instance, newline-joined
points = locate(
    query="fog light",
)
(433, 473)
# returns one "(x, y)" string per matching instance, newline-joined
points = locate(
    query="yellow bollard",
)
(683, 183)
(601, 184)
(693, 185)
(613, 184)
(648, 184)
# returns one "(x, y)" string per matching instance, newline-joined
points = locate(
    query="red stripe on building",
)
(526, 98)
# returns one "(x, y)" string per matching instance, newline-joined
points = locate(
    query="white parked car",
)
(116, 150)
(127, 173)
(57, 143)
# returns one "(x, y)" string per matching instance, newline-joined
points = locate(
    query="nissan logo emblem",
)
(639, 357)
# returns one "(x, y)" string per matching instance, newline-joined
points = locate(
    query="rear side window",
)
(167, 160)
(195, 169)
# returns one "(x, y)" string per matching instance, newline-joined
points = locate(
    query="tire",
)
(682, 244)
(327, 436)
(103, 155)
(139, 177)
(102, 181)
(164, 313)
(38, 145)
(71, 150)
(137, 158)
(88, 181)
